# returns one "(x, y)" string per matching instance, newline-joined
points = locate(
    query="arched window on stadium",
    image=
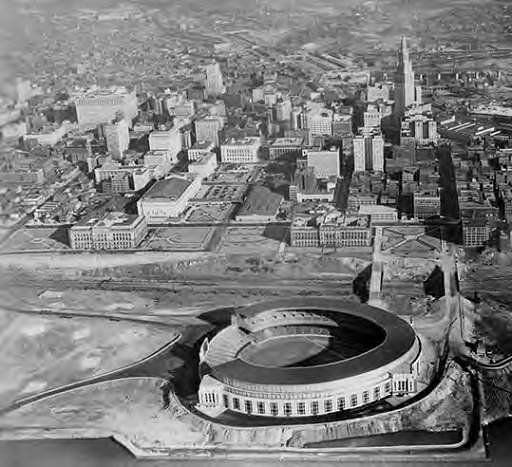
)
(366, 397)
(261, 408)
(341, 403)
(248, 407)
(376, 393)
(236, 403)
(226, 400)
(274, 409)
(328, 405)
(314, 408)
(353, 400)
(387, 388)
(287, 409)
(301, 408)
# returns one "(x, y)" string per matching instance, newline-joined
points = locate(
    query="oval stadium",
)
(307, 357)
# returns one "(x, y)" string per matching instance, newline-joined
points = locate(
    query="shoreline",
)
(455, 451)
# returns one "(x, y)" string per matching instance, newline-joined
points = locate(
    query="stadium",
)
(308, 357)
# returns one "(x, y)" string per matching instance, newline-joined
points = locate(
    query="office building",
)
(372, 117)
(208, 128)
(285, 148)
(426, 204)
(405, 88)
(342, 125)
(117, 138)
(325, 163)
(99, 106)
(199, 149)
(319, 121)
(423, 128)
(241, 151)
(166, 140)
(114, 231)
(368, 153)
(168, 198)
(379, 92)
(214, 82)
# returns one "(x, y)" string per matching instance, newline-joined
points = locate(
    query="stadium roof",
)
(398, 340)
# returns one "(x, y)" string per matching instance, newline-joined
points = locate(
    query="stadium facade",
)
(309, 357)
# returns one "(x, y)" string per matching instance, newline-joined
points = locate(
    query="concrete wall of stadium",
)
(397, 378)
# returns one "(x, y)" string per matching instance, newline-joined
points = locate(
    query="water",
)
(107, 453)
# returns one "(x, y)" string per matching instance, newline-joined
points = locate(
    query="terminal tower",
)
(405, 91)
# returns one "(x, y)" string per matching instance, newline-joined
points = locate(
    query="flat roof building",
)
(168, 198)
(113, 231)
(242, 151)
(97, 106)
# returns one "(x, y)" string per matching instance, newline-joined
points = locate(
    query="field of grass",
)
(43, 352)
(36, 239)
(179, 238)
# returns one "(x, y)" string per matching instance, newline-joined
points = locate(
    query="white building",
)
(208, 128)
(117, 138)
(319, 121)
(50, 134)
(166, 140)
(199, 149)
(372, 117)
(422, 128)
(97, 106)
(241, 151)
(112, 232)
(379, 91)
(168, 198)
(214, 82)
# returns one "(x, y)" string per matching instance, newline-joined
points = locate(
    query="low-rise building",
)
(114, 231)
(337, 230)
(304, 233)
(166, 140)
(426, 204)
(285, 148)
(49, 134)
(168, 198)
(241, 151)
(326, 163)
(378, 213)
(199, 149)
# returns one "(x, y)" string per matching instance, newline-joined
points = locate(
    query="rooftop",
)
(109, 219)
(399, 339)
(247, 141)
(287, 142)
(170, 189)
(202, 145)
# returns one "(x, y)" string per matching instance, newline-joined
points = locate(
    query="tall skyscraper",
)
(368, 153)
(214, 82)
(208, 128)
(117, 137)
(404, 80)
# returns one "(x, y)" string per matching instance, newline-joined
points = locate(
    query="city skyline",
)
(255, 232)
